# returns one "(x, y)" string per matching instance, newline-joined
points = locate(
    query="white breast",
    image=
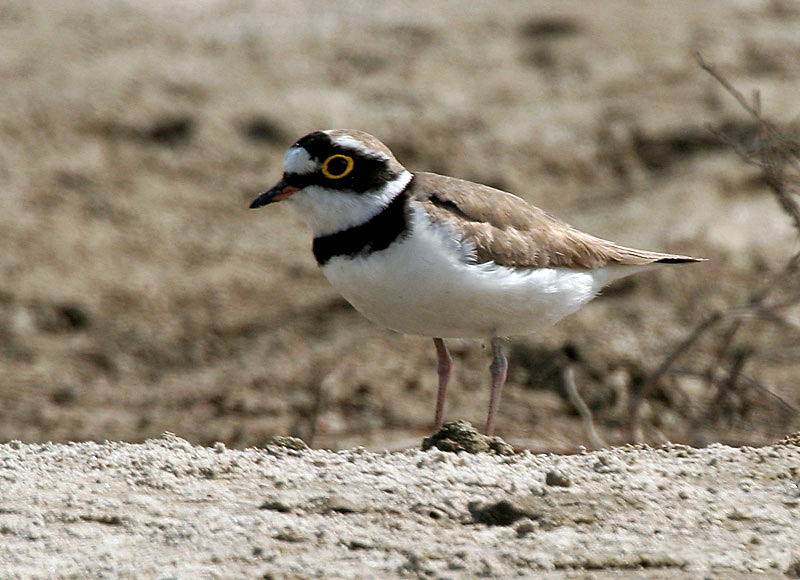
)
(421, 285)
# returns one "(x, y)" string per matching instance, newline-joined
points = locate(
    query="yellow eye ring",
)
(348, 168)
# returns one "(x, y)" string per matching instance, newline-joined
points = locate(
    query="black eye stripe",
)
(362, 173)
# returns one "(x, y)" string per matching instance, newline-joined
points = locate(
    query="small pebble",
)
(557, 479)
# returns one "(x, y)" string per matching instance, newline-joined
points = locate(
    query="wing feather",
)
(510, 232)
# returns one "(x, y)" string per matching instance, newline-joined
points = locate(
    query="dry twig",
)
(776, 156)
(568, 381)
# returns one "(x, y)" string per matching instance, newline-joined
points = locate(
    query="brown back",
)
(510, 232)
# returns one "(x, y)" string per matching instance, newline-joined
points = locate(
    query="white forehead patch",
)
(299, 161)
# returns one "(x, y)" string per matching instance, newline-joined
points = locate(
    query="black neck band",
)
(372, 236)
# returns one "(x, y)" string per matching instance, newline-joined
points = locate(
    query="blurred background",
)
(139, 295)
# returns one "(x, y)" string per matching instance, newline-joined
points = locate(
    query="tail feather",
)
(679, 260)
(636, 257)
(642, 260)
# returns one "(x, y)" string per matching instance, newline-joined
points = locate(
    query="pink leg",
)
(498, 369)
(443, 368)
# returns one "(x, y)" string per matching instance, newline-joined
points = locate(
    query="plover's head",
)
(337, 179)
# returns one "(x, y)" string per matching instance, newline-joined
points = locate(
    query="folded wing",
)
(510, 232)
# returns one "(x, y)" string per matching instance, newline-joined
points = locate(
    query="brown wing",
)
(508, 231)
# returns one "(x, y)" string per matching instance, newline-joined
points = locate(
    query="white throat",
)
(327, 211)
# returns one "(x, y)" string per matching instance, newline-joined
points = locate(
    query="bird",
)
(441, 257)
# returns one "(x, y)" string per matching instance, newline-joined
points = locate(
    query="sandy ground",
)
(139, 296)
(167, 509)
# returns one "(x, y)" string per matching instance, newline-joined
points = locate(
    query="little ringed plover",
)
(436, 256)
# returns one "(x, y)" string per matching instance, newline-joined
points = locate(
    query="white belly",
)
(419, 286)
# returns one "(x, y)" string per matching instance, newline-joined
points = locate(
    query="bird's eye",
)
(337, 166)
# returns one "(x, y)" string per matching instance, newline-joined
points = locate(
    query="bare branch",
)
(746, 156)
(710, 69)
(788, 146)
(568, 380)
(664, 367)
(771, 393)
(753, 383)
(778, 156)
